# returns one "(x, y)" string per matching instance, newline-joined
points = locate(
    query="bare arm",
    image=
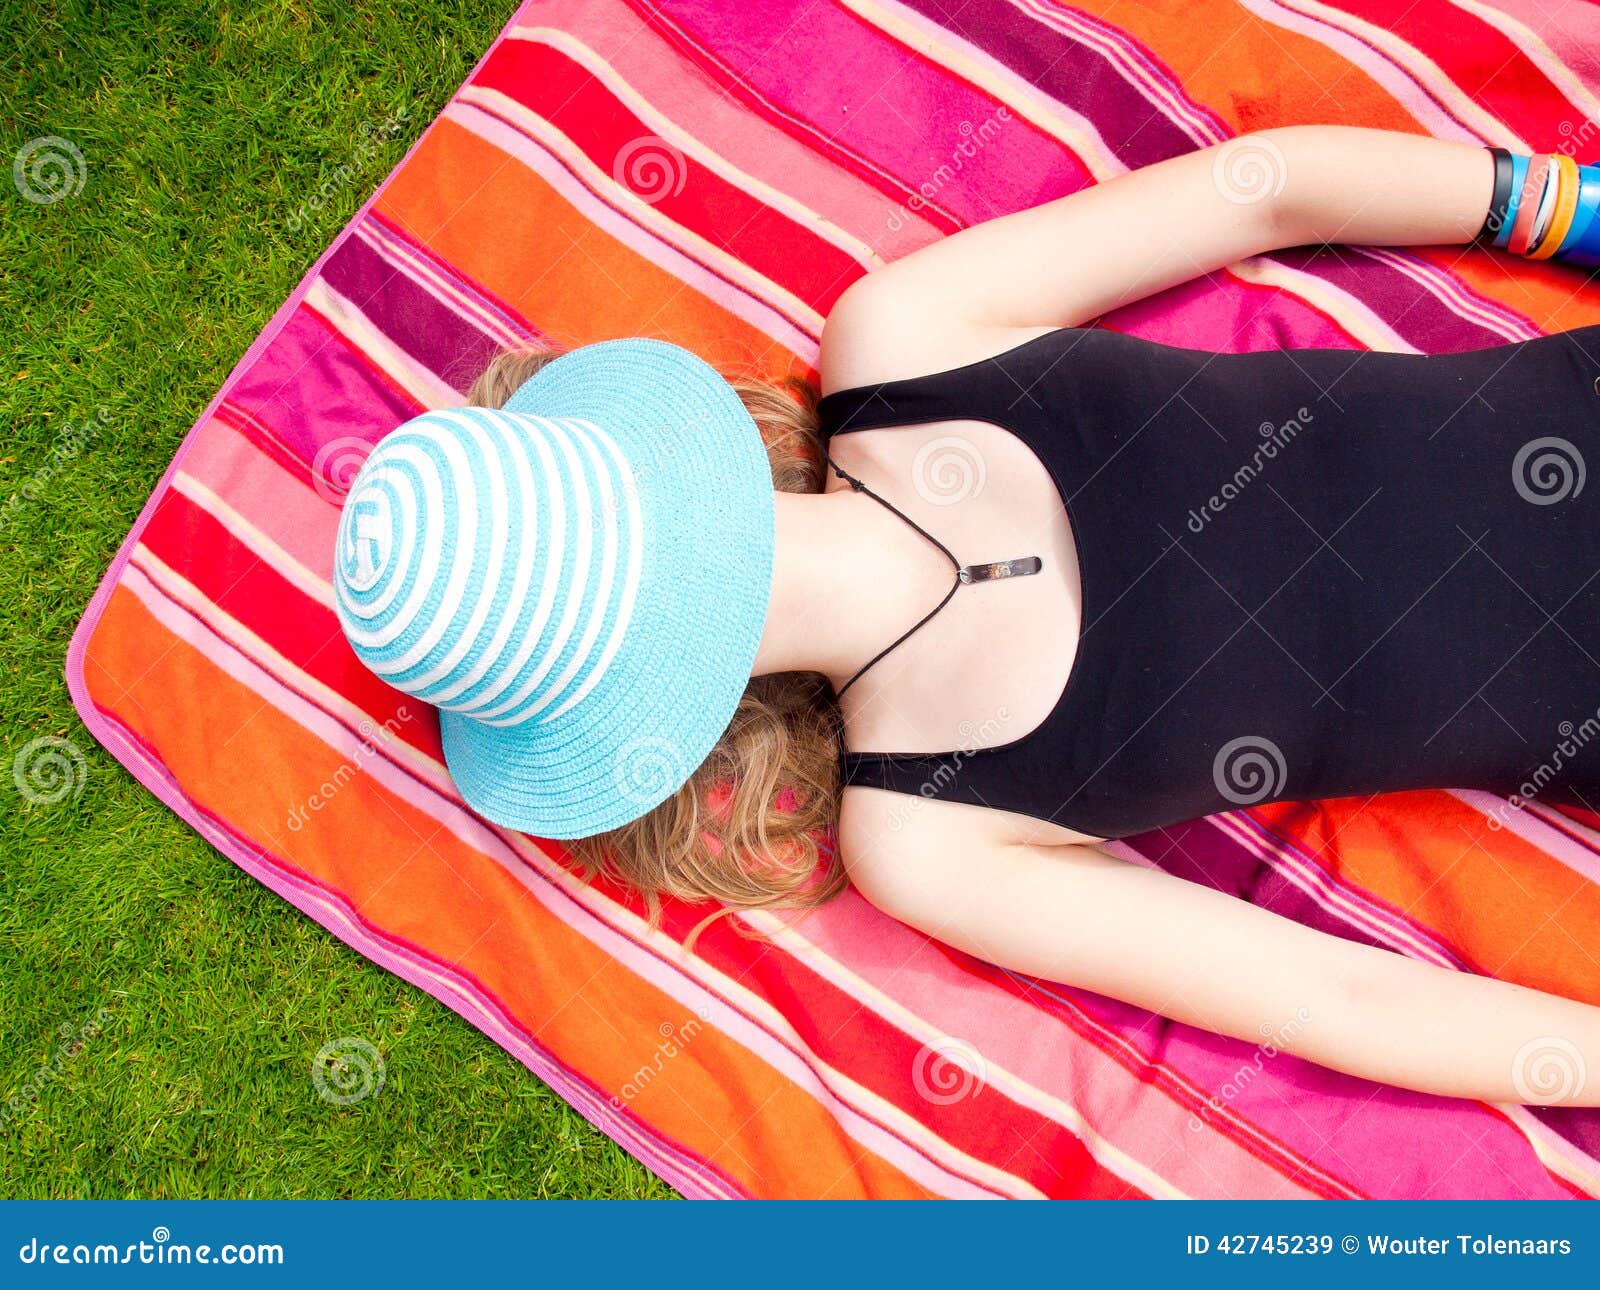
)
(1070, 260)
(1072, 914)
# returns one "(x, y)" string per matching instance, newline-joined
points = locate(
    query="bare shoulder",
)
(891, 841)
(886, 327)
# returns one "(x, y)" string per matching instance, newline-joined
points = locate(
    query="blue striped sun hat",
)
(577, 581)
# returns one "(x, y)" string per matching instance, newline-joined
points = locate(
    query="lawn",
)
(161, 1014)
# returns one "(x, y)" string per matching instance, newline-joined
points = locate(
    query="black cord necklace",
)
(964, 573)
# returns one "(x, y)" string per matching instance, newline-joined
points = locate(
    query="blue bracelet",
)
(1519, 176)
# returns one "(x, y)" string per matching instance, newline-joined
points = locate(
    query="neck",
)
(848, 577)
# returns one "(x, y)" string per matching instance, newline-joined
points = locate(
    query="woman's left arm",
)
(1072, 259)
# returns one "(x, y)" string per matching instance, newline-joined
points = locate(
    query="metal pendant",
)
(1000, 569)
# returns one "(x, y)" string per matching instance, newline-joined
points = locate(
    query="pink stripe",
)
(1560, 839)
(837, 71)
(1411, 94)
(1385, 1141)
(312, 381)
(1228, 315)
(753, 144)
(1137, 1118)
(1572, 31)
(281, 505)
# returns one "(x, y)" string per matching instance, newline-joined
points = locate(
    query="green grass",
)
(204, 130)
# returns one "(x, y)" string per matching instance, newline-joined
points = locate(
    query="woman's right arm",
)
(1196, 955)
(1066, 261)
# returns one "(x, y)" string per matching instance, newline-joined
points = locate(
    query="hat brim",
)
(706, 496)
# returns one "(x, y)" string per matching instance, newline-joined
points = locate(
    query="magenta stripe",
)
(311, 382)
(494, 316)
(1203, 853)
(421, 325)
(1386, 1141)
(833, 73)
(1419, 316)
(1070, 73)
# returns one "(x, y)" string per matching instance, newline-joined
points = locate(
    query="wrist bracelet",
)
(1566, 206)
(1532, 189)
(1547, 207)
(1519, 175)
(1495, 219)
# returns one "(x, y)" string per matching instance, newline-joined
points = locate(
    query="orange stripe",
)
(531, 248)
(1510, 908)
(1554, 296)
(1253, 74)
(404, 874)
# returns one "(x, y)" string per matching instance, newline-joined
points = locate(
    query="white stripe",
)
(519, 445)
(583, 523)
(630, 590)
(498, 524)
(408, 527)
(552, 570)
(363, 609)
(431, 566)
(602, 605)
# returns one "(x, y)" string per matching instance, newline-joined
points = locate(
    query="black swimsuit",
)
(1306, 573)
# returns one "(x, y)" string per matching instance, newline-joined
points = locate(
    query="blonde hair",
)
(747, 827)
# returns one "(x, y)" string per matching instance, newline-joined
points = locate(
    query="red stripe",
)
(186, 537)
(986, 1124)
(782, 250)
(1245, 1134)
(1465, 47)
(742, 90)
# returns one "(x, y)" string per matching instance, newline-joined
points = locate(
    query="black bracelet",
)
(1495, 220)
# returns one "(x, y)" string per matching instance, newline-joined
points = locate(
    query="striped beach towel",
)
(715, 174)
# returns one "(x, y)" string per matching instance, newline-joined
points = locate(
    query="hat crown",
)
(488, 562)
